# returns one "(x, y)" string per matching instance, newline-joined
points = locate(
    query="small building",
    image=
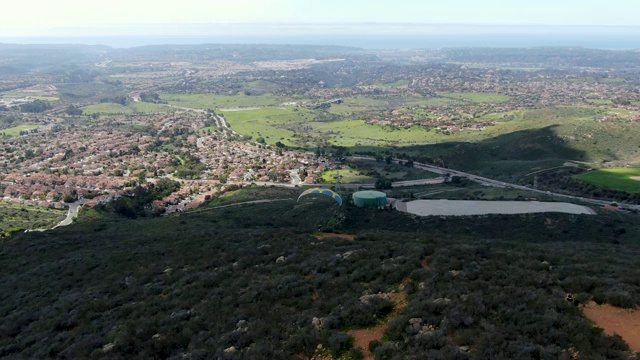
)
(370, 199)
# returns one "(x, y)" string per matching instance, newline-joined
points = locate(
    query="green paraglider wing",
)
(322, 191)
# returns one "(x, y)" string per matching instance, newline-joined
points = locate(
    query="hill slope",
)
(247, 282)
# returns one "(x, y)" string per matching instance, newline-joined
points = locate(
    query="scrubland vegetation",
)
(172, 257)
(248, 281)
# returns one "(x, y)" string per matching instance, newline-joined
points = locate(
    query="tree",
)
(73, 110)
(36, 106)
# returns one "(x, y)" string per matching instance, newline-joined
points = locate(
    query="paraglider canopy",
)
(322, 191)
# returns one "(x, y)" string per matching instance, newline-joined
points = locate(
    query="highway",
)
(501, 184)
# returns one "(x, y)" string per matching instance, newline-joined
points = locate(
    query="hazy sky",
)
(119, 17)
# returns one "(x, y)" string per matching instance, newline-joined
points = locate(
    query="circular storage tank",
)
(370, 199)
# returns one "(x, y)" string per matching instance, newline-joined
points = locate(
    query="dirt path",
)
(362, 337)
(613, 320)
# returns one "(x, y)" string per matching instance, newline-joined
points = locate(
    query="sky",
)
(188, 17)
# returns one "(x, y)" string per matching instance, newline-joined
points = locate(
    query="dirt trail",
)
(613, 320)
(362, 337)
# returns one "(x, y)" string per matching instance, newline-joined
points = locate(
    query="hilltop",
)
(255, 280)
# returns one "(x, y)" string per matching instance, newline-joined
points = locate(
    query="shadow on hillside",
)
(509, 154)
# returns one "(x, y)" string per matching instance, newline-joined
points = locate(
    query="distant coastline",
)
(611, 41)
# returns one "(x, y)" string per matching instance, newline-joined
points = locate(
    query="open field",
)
(359, 133)
(19, 94)
(146, 107)
(268, 123)
(106, 108)
(346, 176)
(14, 131)
(521, 142)
(358, 104)
(623, 179)
(477, 97)
(135, 107)
(362, 104)
(213, 101)
(14, 217)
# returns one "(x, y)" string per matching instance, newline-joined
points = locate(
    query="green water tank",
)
(370, 199)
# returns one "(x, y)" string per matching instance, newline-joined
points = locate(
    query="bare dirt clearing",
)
(341, 236)
(613, 320)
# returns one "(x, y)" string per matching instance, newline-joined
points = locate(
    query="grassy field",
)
(106, 108)
(17, 94)
(15, 217)
(522, 141)
(358, 104)
(477, 97)
(358, 133)
(368, 171)
(145, 107)
(346, 176)
(617, 179)
(213, 101)
(269, 123)
(15, 131)
(135, 107)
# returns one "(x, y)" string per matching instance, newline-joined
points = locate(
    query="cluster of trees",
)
(151, 97)
(36, 106)
(118, 99)
(188, 166)
(73, 110)
(138, 203)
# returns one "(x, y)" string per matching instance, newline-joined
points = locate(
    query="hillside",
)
(247, 281)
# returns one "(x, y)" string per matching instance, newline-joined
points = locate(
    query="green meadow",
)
(17, 217)
(358, 133)
(346, 176)
(18, 94)
(477, 97)
(523, 140)
(134, 107)
(15, 131)
(617, 179)
(271, 124)
(213, 101)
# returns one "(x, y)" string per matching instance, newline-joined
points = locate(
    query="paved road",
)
(295, 178)
(501, 184)
(71, 214)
